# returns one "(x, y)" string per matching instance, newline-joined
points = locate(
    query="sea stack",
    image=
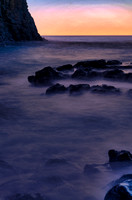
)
(16, 23)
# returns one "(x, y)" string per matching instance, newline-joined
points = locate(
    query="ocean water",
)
(46, 142)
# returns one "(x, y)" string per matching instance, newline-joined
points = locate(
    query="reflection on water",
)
(79, 130)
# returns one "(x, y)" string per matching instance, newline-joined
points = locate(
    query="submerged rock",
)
(119, 156)
(78, 89)
(16, 23)
(114, 74)
(105, 89)
(56, 89)
(65, 67)
(90, 170)
(45, 76)
(122, 189)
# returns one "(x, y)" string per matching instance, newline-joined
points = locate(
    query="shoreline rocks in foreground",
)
(122, 190)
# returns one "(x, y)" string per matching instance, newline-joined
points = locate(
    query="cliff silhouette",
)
(16, 23)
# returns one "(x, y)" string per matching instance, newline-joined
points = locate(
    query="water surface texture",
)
(45, 142)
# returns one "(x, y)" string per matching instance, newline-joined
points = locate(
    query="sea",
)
(58, 145)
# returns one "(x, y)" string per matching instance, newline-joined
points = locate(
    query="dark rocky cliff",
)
(16, 23)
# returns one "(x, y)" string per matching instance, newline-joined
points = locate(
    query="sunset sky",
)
(82, 17)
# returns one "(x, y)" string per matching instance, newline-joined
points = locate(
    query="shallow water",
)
(47, 141)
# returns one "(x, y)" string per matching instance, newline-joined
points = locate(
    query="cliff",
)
(16, 23)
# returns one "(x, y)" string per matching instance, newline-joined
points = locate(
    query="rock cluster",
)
(16, 23)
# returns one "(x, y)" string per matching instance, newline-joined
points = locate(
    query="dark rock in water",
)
(80, 74)
(92, 63)
(128, 77)
(113, 62)
(45, 76)
(122, 189)
(16, 23)
(85, 74)
(65, 67)
(56, 89)
(119, 156)
(114, 74)
(78, 89)
(105, 89)
(26, 197)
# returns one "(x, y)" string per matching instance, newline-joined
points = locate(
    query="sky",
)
(82, 17)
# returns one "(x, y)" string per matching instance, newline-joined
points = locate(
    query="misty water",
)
(46, 141)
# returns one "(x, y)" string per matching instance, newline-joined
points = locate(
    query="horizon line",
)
(89, 35)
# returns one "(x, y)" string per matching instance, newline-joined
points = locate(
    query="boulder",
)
(79, 74)
(119, 156)
(113, 62)
(99, 64)
(122, 190)
(56, 89)
(78, 89)
(45, 76)
(105, 89)
(114, 74)
(65, 67)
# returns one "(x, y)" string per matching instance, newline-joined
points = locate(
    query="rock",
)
(80, 74)
(45, 76)
(56, 89)
(26, 197)
(91, 64)
(113, 62)
(105, 89)
(65, 67)
(119, 156)
(122, 189)
(16, 23)
(128, 77)
(78, 89)
(85, 74)
(114, 74)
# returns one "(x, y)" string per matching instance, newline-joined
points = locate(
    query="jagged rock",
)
(65, 67)
(16, 23)
(78, 89)
(122, 189)
(92, 63)
(105, 89)
(45, 76)
(119, 156)
(128, 77)
(56, 89)
(113, 62)
(114, 74)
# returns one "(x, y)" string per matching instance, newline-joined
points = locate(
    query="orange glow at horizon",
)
(83, 20)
